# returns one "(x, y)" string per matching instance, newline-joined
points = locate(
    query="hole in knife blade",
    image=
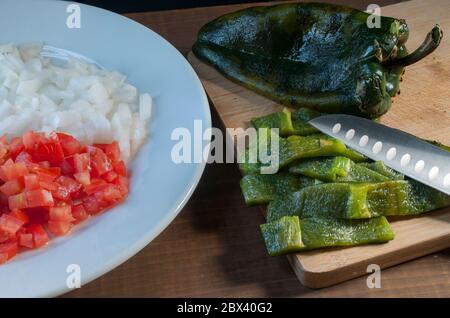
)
(406, 158)
(419, 166)
(363, 141)
(350, 134)
(391, 153)
(433, 173)
(336, 128)
(447, 180)
(377, 147)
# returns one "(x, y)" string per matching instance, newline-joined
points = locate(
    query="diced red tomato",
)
(52, 182)
(50, 151)
(59, 227)
(20, 215)
(112, 193)
(12, 187)
(95, 185)
(120, 168)
(37, 198)
(45, 175)
(31, 182)
(70, 184)
(3, 154)
(61, 193)
(92, 205)
(37, 215)
(10, 224)
(67, 166)
(16, 147)
(123, 184)
(29, 139)
(45, 164)
(69, 144)
(100, 162)
(61, 212)
(79, 213)
(14, 170)
(50, 186)
(7, 251)
(83, 177)
(18, 201)
(26, 240)
(26, 158)
(110, 176)
(81, 162)
(111, 150)
(4, 237)
(40, 237)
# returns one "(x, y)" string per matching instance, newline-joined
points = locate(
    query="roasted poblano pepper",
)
(336, 169)
(296, 147)
(358, 201)
(291, 234)
(321, 56)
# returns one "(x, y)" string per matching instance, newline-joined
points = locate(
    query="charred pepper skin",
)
(315, 55)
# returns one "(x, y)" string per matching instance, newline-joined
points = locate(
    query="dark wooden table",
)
(214, 249)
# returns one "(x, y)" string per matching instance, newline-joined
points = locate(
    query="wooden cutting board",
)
(422, 108)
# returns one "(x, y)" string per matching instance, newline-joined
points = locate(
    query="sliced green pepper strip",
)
(295, 123)
(291, 234)
(262, 188)
(335, 169)
(325, 232)
(358, 201)
(362, 174)
(380, 167)
(281, 120)
(325, 169)
(417, 198)
(298, 147)
(283, 236)
(332, 200)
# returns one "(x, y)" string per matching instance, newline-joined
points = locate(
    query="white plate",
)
(159, 187)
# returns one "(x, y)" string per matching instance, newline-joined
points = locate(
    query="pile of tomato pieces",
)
(49, 183)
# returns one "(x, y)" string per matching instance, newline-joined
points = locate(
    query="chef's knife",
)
(398, 150)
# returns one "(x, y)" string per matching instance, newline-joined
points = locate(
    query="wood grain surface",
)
(424, 103)
(214, 249)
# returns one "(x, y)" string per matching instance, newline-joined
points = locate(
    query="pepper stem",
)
(431, 42)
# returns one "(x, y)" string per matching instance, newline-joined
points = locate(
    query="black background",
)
(123, 6)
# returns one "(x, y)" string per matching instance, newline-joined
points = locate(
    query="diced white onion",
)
(93, 105)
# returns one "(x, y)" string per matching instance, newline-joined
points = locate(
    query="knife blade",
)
(397, 149)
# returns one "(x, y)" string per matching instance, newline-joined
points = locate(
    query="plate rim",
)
(190, 187)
